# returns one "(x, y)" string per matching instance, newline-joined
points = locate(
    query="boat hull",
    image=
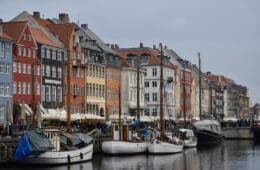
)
(159, 147)
(61, 157)
(123, 147)
(190, 144)
(208, 137)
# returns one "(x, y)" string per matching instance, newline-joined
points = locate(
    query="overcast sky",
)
(225, 32)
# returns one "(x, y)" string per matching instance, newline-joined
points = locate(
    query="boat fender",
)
(81, 155)
(68, 158)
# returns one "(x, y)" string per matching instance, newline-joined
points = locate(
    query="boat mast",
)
(161, 93)
(199, 86)
(138, 88)
(33, 93)
(119, 123)
(184, 93)
(68, 92)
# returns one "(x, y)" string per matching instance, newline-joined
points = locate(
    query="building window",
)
(19, 50)
(29, 69)
(2, 89)
(154, 72)
(29, 52)
(43, 70)
(2, 111)
(146, 84)
(7, 89)
(38, 70)
(154, 83)
(14, 67)
(24, 51)
(154, 112)
(14, 87)
(43, 93)
(59, 72)
(53, 93)
(53, 70)
(24, 88)
(29, 88)
(24, 68)
(155, 97)
(47, 94)
(59, 94)
(38, 88)
(19, 68)
(48, 71)
(47, 53)
(2, 67)
(7, 68)
(146, 97)
(19, 87)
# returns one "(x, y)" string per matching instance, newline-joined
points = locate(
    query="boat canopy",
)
(188, 132)
(206, 123)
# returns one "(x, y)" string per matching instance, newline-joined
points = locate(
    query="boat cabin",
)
(122, 132)
(54, 137)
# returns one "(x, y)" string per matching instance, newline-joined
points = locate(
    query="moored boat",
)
(190, 140)
(123, 142)
(208, 131)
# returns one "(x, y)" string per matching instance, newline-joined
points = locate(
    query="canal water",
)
(229, 155)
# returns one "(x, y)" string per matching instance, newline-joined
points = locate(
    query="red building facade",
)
(26, 65)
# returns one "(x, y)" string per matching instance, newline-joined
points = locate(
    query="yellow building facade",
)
(95, 89)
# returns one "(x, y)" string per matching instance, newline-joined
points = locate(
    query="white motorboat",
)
(190, 140)
(123, 147)
(123, 143)
(162, 147)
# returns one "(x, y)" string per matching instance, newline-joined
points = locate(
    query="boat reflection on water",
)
(151, 162)
(123, 162)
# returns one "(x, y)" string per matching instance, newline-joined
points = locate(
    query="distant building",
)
(150, 61)
(6, 59)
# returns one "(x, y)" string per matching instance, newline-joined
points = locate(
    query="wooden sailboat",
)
(123, 142)
(164, 144)
(62, 153)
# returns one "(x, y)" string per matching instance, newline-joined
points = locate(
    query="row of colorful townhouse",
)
(63, 65)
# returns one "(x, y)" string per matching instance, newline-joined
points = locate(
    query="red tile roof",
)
(42, 38)
(5, 36)
(65, 33)
(218, 79)
(14, 29)
(154, 59)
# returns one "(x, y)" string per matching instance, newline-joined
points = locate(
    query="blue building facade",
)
(6, 60)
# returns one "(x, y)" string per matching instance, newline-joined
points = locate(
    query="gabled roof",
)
(14, 29)
(100, 42)
(40, 28)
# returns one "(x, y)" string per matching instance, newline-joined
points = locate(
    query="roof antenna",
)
(78, 20)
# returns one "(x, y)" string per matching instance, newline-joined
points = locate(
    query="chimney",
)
(116, 46)
(1, 20)
(154, 47)
(141, 45)
(64, 18)
(1, 29)
(84, 26)
(112, 46)
(36, 14)
(165, 47)
(208, 73)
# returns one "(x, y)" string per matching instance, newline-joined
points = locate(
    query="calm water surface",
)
(237, 155)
